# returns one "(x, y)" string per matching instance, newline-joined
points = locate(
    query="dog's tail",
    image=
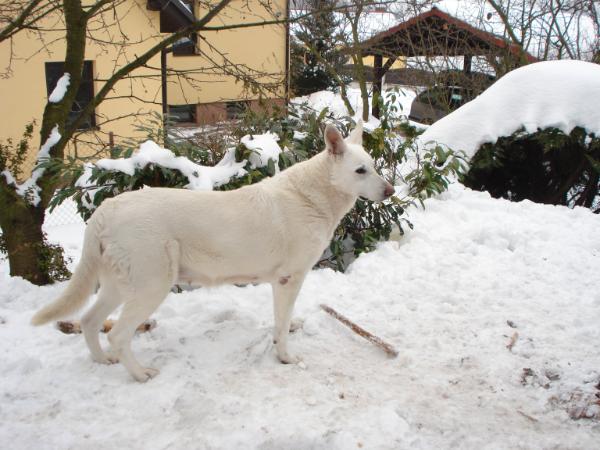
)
(82, 283)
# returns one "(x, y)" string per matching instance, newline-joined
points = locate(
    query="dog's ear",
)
(334, 141)
(355, 136)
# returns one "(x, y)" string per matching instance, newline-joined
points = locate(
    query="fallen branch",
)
(74, 326)
(527, 416)
(391, 351)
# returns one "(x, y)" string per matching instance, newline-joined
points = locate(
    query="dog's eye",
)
(361, 170)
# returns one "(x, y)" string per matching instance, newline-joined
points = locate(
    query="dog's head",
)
(353, 168)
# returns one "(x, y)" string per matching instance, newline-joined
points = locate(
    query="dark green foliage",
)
(54, 262)
(315, 50)
(13, 156)
(547, 166)
(52, 259)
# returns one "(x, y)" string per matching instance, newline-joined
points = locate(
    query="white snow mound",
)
(563, 94)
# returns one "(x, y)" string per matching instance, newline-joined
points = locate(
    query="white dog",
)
(139, 244)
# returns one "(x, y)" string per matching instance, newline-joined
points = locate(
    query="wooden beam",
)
(467, 64)
(377, 84)
(379, 70)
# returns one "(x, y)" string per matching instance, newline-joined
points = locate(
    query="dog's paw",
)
(286, 358)
(146, 374)
(107, 358)
(296, 324)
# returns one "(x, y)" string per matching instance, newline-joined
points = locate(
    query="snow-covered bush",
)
(534, 134)
(263, 145)
(547, 166)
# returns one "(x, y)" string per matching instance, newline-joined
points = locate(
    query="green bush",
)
(13, 156)
(52, 259)
(300, 133)
(547, 166)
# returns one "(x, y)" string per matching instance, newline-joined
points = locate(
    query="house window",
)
(236, 109)
(182, 113)
(183, 48)
(190, 49)
(85, 94)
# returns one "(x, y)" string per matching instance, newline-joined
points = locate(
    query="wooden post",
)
(163, 82)
(467, 64)
(377, 84)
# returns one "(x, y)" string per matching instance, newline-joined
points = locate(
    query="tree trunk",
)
(21, 222)
(24, 239)
(359, 66)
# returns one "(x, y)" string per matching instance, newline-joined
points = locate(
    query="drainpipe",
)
(287, 53)
(163, 82)
(181, 44)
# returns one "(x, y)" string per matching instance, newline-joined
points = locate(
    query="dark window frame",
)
(189, 50)
(174, 116)
(234, 109)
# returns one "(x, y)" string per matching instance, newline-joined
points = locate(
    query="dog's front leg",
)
(285, 291)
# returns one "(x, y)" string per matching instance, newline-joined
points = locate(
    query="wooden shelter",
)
(434, 33)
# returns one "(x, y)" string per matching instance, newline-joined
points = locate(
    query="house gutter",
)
(287, 53)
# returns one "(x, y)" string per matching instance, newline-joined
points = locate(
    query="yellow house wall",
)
(400, 63)
(23, 91)
(261, 49)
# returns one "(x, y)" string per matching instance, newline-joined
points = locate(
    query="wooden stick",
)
(391, 351)
(74, 326)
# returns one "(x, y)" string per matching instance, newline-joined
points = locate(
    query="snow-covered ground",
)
(475, 273)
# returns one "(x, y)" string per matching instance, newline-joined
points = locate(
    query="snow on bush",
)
(264, 147)
(560, 94)
(200, 177)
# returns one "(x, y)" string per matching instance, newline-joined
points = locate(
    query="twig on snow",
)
(391, 351)
(527, 416)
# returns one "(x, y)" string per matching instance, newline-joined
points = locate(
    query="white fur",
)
(140, 243)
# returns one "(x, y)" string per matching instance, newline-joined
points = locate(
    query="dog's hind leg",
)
(151, 281)
(135, 311)
(285, 291)
(92, 321)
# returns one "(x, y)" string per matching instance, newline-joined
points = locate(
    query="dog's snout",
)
(389, 190)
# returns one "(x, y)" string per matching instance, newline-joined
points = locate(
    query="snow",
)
(563, 94)
(264, 148)
(60, 89)
(185, 5)
(318, 101)
(447, 295)
(200, 177)
(29, 187)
